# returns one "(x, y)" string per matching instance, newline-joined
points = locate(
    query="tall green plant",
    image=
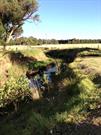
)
(14, 89)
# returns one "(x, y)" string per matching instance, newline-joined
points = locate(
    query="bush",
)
(14, 89)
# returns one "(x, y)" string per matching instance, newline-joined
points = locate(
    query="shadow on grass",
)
(75, 129)
(97, 80)
(19, 58)
(90, 126)
(30, 121)
(56, 100)
(69, 55)
(28, 61)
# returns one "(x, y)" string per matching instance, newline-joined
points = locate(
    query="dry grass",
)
(89, 64)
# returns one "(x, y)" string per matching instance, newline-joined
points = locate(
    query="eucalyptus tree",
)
(13, 14)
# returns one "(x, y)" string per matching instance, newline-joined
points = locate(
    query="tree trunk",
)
(9, 37)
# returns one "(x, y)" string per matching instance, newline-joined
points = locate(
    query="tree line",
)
(79, 41)
(35, 41)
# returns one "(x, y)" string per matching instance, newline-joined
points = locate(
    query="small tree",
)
(13, 14)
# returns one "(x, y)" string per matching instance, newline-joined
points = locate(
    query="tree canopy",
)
(13, 14)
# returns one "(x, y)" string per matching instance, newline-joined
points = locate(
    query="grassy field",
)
(72, 106)
(50, 46)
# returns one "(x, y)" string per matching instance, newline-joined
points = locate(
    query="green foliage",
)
(37, 64)
(13, 89)
(13, 13)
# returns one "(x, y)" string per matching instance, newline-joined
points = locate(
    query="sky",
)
(66, 19)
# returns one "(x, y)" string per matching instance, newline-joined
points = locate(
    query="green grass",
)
(31, 52)
(71, 100)
(71, 105)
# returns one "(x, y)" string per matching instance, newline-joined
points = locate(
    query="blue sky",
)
(66, 19)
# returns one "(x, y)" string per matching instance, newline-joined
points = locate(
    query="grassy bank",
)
(71, 102)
